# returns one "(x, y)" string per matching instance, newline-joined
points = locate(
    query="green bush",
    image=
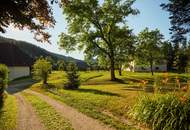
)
(41, 69)
(163, 112)
(72, 76)
(3, 79)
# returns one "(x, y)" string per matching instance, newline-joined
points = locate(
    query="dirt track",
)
(27, 118)
(78, 120)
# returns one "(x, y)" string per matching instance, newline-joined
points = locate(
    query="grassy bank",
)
(8, 113)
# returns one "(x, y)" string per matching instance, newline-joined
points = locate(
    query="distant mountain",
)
(35, 52)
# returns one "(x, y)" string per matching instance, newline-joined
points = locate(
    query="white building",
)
(138, 68)
(18, 62)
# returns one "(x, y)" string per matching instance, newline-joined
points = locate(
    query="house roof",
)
(11, 55)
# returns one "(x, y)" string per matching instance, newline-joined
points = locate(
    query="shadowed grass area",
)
(51, 119)
(8, 113)
(94, 91)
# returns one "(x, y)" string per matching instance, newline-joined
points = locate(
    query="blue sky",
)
(151, 16)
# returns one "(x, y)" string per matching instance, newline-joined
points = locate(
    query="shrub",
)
(41, 69)
(163, 112)
(72, 76)
(3, 79)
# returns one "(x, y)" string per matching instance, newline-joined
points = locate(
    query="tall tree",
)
(181, 57)
(126, 47)
(149, 46)
(168, 54)
(92, 26)
(179, 18)
(35, 15)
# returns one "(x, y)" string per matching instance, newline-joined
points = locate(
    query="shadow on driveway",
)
(16, 88)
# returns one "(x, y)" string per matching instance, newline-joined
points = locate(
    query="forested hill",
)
(35, 52)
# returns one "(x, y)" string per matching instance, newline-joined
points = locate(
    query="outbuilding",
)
(18, 62)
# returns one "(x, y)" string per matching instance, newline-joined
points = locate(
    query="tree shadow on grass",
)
(95, 91)
(120, 81)
(96, 76)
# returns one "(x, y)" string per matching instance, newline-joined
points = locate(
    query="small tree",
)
(41, 69)
(61, 65)
(72, 76)
(3, 79)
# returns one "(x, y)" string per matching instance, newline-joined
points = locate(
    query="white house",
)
(18, 62)
(138, 68)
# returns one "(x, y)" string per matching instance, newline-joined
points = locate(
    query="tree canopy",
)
(41, 69)
(149, 46)
(179, 18)
(96, 27)
(34, 15)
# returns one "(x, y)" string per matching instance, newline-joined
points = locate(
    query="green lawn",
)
(101, 98)
(51, 119)
(8, 113)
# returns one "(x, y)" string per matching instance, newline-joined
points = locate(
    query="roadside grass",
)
(51, 119)
(8, 113)
(101, 98)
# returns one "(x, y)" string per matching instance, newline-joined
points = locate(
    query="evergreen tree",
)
(179, 18)
(72, 76)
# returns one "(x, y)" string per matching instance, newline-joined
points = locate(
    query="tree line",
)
(101, 30)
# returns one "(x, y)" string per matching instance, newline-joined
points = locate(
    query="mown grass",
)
(8, 113)
(52, 120)
(101, 98)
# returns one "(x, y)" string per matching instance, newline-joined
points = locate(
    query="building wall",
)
(18, 71)
(156, 68)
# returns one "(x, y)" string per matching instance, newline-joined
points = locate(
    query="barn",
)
(18, 62)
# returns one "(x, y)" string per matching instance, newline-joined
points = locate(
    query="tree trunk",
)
(151, 68)
(112, 67)
(120, 71)
(45, 78)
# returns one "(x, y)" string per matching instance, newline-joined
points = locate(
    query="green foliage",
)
(181, 57)
(72, 76)
(179, 18)
(163, 112)
(98, 34)
(149, 46)
(3, 79)
(33, 15)
(41, 69)
(52, 119)
(168, 54)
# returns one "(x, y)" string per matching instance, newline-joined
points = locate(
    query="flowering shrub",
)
(163, 112)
